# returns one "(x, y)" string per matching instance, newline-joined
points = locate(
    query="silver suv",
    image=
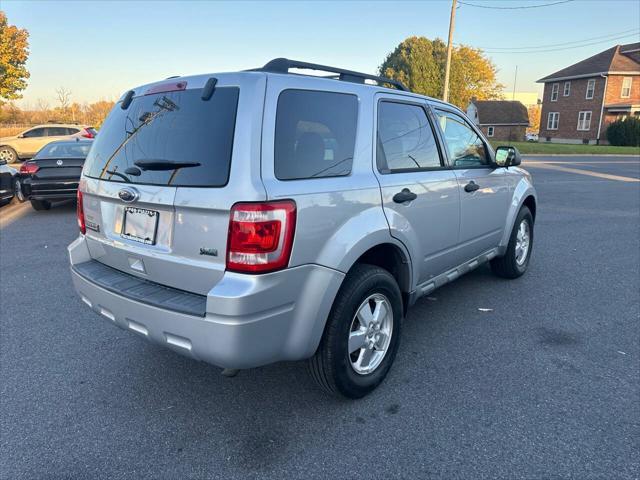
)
(253, 217)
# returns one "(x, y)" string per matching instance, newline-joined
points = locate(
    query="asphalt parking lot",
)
(545, 385)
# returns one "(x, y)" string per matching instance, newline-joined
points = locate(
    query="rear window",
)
(175, 138)
(64, 150)
(315, 134)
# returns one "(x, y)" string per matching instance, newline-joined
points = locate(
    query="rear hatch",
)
(154, 185)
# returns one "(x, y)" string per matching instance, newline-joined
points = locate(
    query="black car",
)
(7, 175)
(53, 174)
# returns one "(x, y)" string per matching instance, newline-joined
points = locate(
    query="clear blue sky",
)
(100, 49)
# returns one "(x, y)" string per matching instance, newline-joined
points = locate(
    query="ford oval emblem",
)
(59, 163)
(128, 195)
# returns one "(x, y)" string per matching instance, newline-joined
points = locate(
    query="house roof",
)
(501, 112)
(621, 58)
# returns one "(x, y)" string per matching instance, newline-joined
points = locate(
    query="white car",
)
(26, 144)
(531, 137)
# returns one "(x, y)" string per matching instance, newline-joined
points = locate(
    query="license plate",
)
(140, 225)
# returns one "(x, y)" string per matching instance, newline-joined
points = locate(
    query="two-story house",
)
(580, 101)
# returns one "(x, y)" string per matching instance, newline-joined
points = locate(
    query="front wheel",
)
(516, 259)
(18, 193)
(8, 154)
(40, 204)
(362, 334)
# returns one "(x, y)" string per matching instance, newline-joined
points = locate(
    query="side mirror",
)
(21, 135)
(507, 157)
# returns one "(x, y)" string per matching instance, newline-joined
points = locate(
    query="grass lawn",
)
(560, 148)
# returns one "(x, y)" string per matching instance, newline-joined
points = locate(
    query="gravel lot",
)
(546, 385)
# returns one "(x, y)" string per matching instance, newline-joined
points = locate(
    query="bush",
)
(625, 133)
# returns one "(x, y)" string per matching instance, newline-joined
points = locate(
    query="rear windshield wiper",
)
(156, 165)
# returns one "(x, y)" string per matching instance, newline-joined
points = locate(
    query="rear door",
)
(163, 174)
(485, 193)
(32, 141)
(419, 192)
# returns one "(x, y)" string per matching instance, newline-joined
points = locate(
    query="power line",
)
(566, 48)
(521, 7)
(634, 30)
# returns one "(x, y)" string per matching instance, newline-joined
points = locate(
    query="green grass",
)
(565, 148)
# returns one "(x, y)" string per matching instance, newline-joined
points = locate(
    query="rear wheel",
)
(9, 154)
(40, 205)
(516, 259)
(362, 334)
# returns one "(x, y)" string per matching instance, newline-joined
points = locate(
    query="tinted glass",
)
(465, 147)
(405, 138)
(170, 129)
(57, 131)
(36, 132)
(72, 131)
(315, 134)
(64, 150)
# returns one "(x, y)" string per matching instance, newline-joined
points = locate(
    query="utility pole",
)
(452, 21)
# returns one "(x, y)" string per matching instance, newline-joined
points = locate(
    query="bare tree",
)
(64, 97)
(42, 105)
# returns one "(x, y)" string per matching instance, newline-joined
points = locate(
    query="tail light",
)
(260, 236)
(29, 168)
(80, 213)
(87, 133)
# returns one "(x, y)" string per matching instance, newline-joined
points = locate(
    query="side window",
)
(57, 131)
(71, 131)
(465, 147)
(405, 138)
(315, 134)
(36, 132)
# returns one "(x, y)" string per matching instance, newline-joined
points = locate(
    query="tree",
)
(14, 51)
(534, 118)
(419, 63)
(64, 97)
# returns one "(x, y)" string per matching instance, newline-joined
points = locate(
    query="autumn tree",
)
(419, 63)
(14, 51)
(534, 117)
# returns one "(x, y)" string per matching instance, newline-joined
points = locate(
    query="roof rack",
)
(282, 65)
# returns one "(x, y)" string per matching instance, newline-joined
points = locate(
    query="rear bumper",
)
(49, 189)
(249, 320)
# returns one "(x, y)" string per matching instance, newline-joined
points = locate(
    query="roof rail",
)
(282, 65)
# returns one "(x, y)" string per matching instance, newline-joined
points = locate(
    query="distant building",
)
(500, 119)
(580, 101)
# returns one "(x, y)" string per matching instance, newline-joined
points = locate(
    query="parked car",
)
(253, 217)
(27, 143)
(7, 175)
(531, 137)
(53, 174)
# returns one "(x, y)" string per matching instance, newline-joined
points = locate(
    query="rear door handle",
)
(471, 187)
(405, 195)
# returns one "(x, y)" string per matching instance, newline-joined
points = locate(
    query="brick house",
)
(580, 101)
(500, 119)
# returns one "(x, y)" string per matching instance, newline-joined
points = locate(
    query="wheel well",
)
(530, 202)
(393, 260)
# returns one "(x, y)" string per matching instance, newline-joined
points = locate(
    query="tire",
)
(9, 154)
(18, 193)
(512, 264)
(40, 205)
(332, 366)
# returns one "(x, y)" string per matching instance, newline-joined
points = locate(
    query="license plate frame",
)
(140, 225)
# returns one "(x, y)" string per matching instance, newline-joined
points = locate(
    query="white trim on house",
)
(553, 119)
(567, 89)
(555, 91)
(591, 81)
(490, 131)
(584, 121)
(627, 87)
(585, 75)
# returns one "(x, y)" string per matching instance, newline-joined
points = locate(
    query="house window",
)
(489, 131)
(584, 121)
(626, 87)
(553, 120)
(591, 87)
(554, 92)
(567, 89)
